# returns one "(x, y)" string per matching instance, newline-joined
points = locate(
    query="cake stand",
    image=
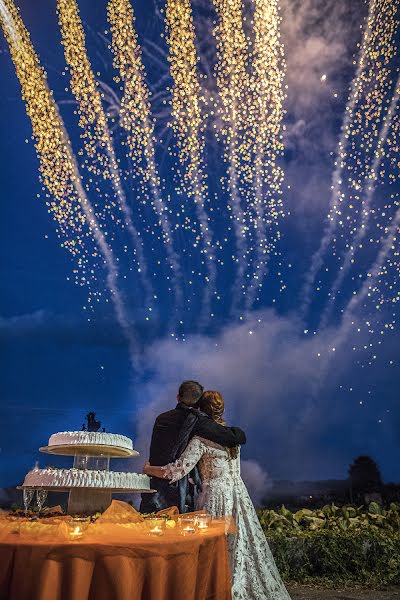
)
(89, 500)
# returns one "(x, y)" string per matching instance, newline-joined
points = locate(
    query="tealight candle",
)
(187, 525)
(76, 533)
(188, 530)
(203, 521)
(76, 527)
(156, 530)
(156, 526)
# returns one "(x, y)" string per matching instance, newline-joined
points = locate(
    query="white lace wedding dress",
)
(254, 572)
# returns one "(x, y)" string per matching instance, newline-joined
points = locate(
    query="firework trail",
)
(266, 136)
(188, 127)
(367, 289)
(97, 139)
(388, 244)
(388, 256)
(337, 196)
(233, 91)
(135, 119)
(70, 206)
(369, 185)
(369, 285)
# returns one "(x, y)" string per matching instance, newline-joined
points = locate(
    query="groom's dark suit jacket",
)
(171, 434)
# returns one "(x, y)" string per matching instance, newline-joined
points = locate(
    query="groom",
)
(171, 434)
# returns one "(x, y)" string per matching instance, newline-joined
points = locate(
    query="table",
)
(113, 562)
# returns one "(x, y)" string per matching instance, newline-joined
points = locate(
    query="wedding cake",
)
(85, 478)
(90, 482)
(89, 438)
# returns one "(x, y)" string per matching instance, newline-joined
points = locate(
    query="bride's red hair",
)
(213, 404)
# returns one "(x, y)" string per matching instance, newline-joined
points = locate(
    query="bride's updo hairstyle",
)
(213, 404)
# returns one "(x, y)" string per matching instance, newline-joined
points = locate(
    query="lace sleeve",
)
(185, 463)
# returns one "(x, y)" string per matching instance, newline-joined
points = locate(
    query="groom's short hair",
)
(190, 392)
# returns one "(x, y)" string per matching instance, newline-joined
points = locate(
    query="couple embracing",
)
(194, 463)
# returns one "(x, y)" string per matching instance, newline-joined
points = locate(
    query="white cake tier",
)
(98, 438)
(86, 478)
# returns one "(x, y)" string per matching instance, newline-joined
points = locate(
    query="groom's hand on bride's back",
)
(220, 434)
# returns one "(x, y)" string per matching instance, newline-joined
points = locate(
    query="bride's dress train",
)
(254, 573)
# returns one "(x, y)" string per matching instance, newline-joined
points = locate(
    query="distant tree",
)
(364, 475)
(391, 492)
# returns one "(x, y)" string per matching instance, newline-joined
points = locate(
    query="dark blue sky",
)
(55, 365)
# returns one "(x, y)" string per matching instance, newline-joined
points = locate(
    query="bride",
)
(254, 573)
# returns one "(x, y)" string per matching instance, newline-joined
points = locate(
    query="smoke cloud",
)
(320, 39)
(269, 372)
(256, 479)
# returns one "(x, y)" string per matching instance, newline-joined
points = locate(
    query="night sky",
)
(308, 409)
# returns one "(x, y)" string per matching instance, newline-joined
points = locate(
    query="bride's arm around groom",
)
(171, 434)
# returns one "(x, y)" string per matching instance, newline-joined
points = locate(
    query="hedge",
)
(370, 559)
(336, 546)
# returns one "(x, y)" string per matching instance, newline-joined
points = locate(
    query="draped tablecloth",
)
(112, 562)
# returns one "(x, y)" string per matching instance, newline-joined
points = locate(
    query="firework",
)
(136, 120)
(52, 145)
(101, 160)
(188, 126)
(370, 186)
(245, 108)
(233, 97)
(265, 124)
(372, 283)
(68, 202)
(360, 144)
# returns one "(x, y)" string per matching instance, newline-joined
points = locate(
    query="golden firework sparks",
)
(233, 99)
(188, 126)
(56, 161)
(101, 160)
(361, 146)
(67, 200)
(249, 76)
(387, 134)
(136, 119)
(265, 124)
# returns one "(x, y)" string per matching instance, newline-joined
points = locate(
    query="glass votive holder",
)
(76, 527)
(187, 525)
(156, 526)
(203, 521)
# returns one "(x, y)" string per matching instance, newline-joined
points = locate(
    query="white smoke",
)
(268, 371)
(256, 479)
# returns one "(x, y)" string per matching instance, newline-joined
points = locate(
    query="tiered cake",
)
(90, 438)
(90, 482)
(86, 478)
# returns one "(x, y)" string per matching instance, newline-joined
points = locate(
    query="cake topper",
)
(92, 424)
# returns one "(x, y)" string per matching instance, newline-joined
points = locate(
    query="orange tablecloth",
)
(113, 563)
